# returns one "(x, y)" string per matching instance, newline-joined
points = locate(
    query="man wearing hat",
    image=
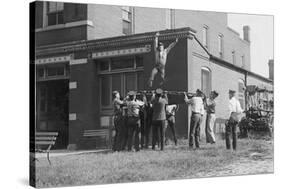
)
(159, 103)
(160, 59)
(197, 108)
(231, 124)
(133, 121)
(210, 105)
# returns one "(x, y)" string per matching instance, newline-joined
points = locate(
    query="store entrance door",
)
(52, 109)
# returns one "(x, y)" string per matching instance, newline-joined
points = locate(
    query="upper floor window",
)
(206, 80)
(233, 57)
(205, 36)
(220, 46)
(55, 13)
(243, 61)
(127, 20)
(241, 97)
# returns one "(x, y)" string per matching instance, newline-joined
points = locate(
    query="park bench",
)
(97, 134)
(44, 141)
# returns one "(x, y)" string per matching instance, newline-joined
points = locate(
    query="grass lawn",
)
(173, 163)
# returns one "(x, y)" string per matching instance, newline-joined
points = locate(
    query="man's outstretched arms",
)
(171, 45)
(156, 41)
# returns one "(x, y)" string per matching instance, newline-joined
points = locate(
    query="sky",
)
(261, 37)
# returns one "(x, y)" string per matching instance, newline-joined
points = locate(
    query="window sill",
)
(66, 25)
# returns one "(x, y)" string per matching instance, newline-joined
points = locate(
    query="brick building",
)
(85, 51)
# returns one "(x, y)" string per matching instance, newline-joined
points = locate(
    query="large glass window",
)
(122, 63)
(206, 81)
(55, 13)
(122, 74)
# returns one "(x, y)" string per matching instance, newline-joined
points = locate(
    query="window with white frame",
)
(205, 36)
(241, 93)
(220, 45)
(206, 80)
(55, 13)
(127, 20)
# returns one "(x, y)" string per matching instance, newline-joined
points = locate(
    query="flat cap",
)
(215, 93)
(199, 91)
(159, 91)
(231, 91)
(131, 93)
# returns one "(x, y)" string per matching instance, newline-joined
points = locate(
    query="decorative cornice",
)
(114, 41)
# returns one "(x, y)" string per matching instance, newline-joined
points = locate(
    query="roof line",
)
(228, 64)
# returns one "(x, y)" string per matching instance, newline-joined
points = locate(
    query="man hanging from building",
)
(231, 124)
(160, 59)
(197, 108)
(210, 105)
(133, 121)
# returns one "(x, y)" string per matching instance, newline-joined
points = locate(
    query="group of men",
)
(135, 118)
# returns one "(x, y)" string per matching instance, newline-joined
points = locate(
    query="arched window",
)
(206, 80)
(241, 94)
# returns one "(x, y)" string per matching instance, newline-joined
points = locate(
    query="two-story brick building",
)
(79, 61)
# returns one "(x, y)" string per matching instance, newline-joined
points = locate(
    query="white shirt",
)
(197, 105)
(134, 107)
(171, 109)
(234, 106)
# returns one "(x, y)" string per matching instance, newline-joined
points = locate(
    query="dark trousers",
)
(124, 133)
(158, 128)
(142, 129)
(172, 123)
(147, 129)
(194, 133)
(133, 132)
(117, 127)
(231, 129)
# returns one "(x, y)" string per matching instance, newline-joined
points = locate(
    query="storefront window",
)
(122, 63)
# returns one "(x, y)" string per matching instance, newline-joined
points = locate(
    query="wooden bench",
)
(44, 141)
(103, 133)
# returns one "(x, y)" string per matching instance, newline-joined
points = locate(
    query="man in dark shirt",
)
(159, 116)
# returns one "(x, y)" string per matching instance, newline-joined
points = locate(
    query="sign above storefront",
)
(53, 59)
(122, 52)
